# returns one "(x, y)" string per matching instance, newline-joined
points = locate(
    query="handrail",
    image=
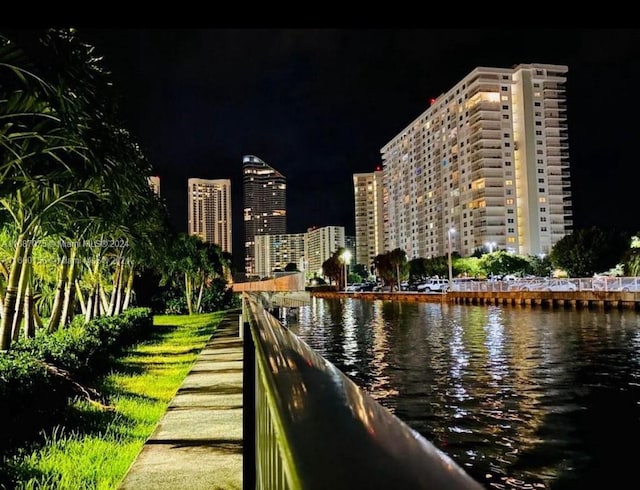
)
(315, 429)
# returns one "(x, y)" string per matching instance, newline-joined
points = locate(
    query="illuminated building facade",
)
(265, 192)
(154, 182)
(209, 204)
(320, 244)
(488, 160)
(369, 216)
(276, 251)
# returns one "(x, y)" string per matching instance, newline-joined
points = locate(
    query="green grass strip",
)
(95, 447)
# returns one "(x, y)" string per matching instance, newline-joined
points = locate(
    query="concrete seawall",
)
(555, 299)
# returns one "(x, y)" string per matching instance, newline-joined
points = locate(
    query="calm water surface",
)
(520, 397)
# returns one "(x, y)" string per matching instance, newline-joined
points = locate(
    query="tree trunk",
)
(200, 290)
(114, 292)
(96, 302)
(37, 318)
(29, 306)
(58, 302)
(89, 310)
(129, 289)
(187, 289)
(68, 307)
(83, 306)
(22, 286)
(118, 302)
(104, 302)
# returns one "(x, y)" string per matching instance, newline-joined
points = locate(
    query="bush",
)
(31, 396)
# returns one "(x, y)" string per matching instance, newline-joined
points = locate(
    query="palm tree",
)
(398, 260)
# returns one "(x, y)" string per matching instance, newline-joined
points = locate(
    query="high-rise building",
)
(369, 208)
(320, 244)
(209, 204)
(154, 182)
(265, 191)
(276, 251)
(487, 164)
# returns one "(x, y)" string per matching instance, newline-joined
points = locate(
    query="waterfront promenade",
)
(198, 444)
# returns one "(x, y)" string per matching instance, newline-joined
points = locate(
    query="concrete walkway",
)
(198, 443)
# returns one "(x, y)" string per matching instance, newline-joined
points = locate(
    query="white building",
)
(487, 163)
(276, 251)
(320, 243)
(209, 211)
(368, 196)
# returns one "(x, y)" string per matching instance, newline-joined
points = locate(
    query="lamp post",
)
(450, 232)
(346, 258)
(490, 246)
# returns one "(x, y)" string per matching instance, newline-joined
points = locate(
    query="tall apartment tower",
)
(209, 204)
(486, 163)
(265, 192)
(369, 208)
(320, 244)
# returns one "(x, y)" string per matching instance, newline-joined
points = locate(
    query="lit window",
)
(511, 239)
(542, 199)
(509, 201)
(508, 182)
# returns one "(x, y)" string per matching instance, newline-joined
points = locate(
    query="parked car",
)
(434, 285)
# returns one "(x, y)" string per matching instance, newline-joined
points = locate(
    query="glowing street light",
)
(346, 258)
(450, 232)
(490, 246)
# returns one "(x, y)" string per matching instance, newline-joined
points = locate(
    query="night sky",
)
(318, 104)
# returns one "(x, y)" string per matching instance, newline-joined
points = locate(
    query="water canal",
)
(520, 397)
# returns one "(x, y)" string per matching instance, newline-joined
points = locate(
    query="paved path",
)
(198, 442)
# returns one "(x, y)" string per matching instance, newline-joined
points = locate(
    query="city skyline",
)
(320, 103)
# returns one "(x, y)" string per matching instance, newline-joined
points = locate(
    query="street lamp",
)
(346, 258)
(490, 246)
(450, 232)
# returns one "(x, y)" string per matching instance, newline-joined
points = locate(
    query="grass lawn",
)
(94, 447)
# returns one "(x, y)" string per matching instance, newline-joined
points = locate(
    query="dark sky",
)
(318, 104)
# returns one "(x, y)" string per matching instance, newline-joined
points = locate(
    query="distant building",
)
(350, 244)
(209, 204)
(265, 192)
(320, 244)
(486, 163)
(369, 209)
(154, 182)
(276, 251)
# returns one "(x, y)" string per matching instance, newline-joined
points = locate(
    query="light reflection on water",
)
(520, 397)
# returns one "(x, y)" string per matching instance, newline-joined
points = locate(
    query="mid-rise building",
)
(320, 244)
(154, 182)
(369, 210)
(487, 162)
(209, 204)
(265, 191)
(276, 251)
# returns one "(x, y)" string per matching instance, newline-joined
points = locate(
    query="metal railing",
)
(315, 429)
(602, 283)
